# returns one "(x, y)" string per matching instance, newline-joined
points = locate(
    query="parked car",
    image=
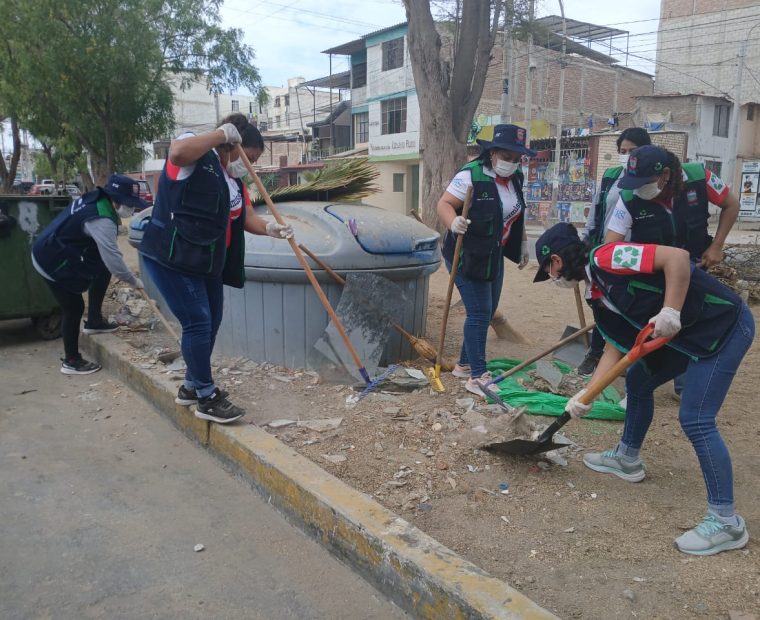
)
(42, 190)
(73, 191)
(145, 192)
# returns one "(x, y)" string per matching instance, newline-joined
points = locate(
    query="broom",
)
(423, 347)
(504, 331)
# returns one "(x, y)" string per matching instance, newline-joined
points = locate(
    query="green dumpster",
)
(24, 292)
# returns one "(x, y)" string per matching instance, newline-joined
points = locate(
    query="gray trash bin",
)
(277, 317)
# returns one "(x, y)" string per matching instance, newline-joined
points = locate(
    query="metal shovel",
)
(544, 443)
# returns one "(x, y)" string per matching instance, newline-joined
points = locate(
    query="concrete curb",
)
(419, 574)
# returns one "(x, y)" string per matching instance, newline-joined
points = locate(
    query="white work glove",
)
(231, 134)
(524, 254)
(279, 231)
(459, 225)
(575, 408)
(139, 283)
(667, 323)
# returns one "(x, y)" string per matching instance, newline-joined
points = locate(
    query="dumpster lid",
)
(383, 239)
(384, 232)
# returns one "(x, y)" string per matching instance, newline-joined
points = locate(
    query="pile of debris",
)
(740, 271)
(133, 311)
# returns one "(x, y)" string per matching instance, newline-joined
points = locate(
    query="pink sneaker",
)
(472, 387)
(461, 371)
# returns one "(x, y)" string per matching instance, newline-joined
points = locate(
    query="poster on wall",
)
(749, 198)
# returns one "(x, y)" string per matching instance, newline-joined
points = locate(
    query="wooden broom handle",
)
(155, 309)
(299, 255)
(452, 277)
(579, 306)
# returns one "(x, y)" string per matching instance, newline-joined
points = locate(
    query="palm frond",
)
(346, 180)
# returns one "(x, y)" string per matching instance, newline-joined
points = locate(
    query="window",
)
(393, 54)
(714, 166)
(750, 112)
(359, 75)
(263, 126)
(398, 181)
(720, 120)
(361, 128)
(394, 115)
(250, 107)
(161, 149)
(287, 100)
(235, 105)
(276, 121)
(276, 102)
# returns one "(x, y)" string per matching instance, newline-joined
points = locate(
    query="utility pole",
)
(506, 63)
(560, 111)
(528, 113)
(730, 172)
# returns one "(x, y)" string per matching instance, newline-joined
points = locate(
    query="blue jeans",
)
(198, 305)
(706, 383)
(480, 298)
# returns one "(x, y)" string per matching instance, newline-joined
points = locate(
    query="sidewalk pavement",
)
(419, 574)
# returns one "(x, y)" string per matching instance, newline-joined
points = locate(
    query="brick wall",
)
(605, 148)
(591, 88)
(679, 110)
(680, 8)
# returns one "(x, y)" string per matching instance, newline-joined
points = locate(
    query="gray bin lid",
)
(347, 237)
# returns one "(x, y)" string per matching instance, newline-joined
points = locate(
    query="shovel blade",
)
(573, 352)
(521, 447)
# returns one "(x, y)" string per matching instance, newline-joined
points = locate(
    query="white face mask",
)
(504, 168)
(650, 191)
(623, 159)
(236, 169)
(564, 282)
(124, 211)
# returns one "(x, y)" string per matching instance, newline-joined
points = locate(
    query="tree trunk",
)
(10, 175)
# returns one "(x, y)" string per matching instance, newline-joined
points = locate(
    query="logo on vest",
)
(632, 161)
(545, 249)
(691, 197)
(627, 257)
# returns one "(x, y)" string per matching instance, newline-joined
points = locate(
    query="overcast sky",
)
(289, 35)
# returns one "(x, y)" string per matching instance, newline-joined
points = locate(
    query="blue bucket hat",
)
(509, 137)
(552, 241)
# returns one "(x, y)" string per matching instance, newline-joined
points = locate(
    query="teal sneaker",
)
(610, 463)
(711, 537)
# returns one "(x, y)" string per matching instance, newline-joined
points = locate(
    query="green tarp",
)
(543, 403)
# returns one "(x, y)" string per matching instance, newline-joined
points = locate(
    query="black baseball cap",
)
(552, 241)
(644, 163)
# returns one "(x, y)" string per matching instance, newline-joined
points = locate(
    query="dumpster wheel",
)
(48, 327)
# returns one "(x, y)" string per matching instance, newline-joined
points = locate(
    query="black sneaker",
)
(190, 397)
(78, 366)
(588, 365)
(217, 408)
(99, 327)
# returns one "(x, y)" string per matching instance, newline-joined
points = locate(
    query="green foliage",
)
(97, 73)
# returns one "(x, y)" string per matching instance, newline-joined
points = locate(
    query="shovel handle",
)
(640, 348)
(158, 313)
(452, 278)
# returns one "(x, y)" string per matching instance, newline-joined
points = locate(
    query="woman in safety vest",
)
(599, 217)
(194, 244)
(494, 228)
(711, 330)
(78, 252)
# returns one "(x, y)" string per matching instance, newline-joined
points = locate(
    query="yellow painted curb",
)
(415, 571)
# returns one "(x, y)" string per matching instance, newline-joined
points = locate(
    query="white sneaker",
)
(473, 387)
(462, 371)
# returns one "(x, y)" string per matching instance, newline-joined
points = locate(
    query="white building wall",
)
(386, 198)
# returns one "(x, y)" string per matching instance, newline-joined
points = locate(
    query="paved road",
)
(102, 502)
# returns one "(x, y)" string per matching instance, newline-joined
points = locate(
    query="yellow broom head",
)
(434, 376)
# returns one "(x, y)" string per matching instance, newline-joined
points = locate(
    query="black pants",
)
(597, 340)
(72, 309)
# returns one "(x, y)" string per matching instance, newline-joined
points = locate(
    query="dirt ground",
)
(579, 543)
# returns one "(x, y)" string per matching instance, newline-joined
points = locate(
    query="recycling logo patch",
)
(627, 257)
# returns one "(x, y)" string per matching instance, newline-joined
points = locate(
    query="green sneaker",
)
(711, 537)
(609, 463)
